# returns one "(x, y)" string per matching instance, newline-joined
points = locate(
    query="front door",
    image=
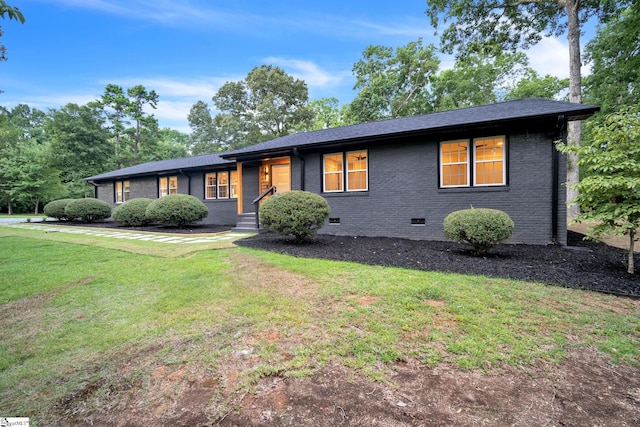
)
(281, 177)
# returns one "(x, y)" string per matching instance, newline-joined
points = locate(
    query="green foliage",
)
(56, 209)
(296, 213)
(534, 86)
(177, 210)
(482, 228)
(79, 146)
(89, 210)
(132, 212)
(610, 194)
(393, 85)
(267, 104)
(615, 62)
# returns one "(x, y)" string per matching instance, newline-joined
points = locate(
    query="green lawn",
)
(78, 310)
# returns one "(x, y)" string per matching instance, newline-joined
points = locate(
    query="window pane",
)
(357, 171)
(164, 186)
(126, 191)
(454, 163)
(234, 184)
(210, 186)
(223, 185)
(333, 173)
(173, 185)
(118, 191)
(489, 166)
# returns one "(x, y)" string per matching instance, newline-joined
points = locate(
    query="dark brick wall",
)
(221, 212)
(403, 184)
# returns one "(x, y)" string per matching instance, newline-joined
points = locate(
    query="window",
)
(210, 186)
(489, 166)
(122, 191)
(487, 162)
(333, 172)
(221, 185)
(168, 185)
(357, 171)
(356, 175)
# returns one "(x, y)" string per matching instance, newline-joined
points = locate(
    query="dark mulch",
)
(587, 265)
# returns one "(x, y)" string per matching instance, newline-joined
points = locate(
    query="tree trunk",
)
(575, 95)
(632, 239)
(35, 211)
(10, 207)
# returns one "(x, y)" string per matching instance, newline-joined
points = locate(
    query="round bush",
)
(177, 210)
(296, 213)
(89, 210)
(56, 208)
(482, 228)
(132, 212)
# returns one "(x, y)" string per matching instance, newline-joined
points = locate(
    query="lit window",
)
(454, 163)
(123, 190)
(218, 186)
(168, 185)
(223, 185)
(234, 184)
(357, 171)
(210, 186)
(333, 172)
(489, 161)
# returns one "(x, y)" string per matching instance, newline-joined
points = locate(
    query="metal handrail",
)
(256, 203)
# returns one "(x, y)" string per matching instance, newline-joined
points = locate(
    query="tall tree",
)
(533, 86)
(615, 59)
(499, 25)
(139, 97)
(79, 146)
(267, 104)
(327, 114)
(203, 131)
(115, 106)
(172, 144)
(475, 79)
(610, 195)
(393, 84)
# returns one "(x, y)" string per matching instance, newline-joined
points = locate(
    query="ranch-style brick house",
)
(395, 178)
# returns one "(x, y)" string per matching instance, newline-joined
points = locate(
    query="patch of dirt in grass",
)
(582, 390)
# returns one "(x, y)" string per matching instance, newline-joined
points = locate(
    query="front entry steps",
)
(246, 222)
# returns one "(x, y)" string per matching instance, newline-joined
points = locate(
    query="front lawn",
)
(86, 320)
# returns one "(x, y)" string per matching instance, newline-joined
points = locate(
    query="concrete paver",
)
(159, 238)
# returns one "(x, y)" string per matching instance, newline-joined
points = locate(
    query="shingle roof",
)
(185, 163)
(473, 116)
(533, 108)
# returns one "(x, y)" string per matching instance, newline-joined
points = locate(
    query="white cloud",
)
(551, 56)
(308, 71)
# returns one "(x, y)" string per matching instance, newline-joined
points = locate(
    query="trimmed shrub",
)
(89, 210)
(55, 209)
(482, 228)
(132, 212)
(177, 210)
(295, 213)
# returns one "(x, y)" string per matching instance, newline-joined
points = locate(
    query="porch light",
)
(266, 173)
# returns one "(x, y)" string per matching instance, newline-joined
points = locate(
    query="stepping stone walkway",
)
(160, 238)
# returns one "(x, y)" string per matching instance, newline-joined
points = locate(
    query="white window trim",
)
(214, 186)
(468, 163)
(227, 186)
(325, 173)
(504, 161)
(121, 194)
(366, 170)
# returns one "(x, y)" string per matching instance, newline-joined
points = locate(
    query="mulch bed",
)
(583, 264)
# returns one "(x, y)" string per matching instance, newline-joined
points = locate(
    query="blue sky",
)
(69, 50)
